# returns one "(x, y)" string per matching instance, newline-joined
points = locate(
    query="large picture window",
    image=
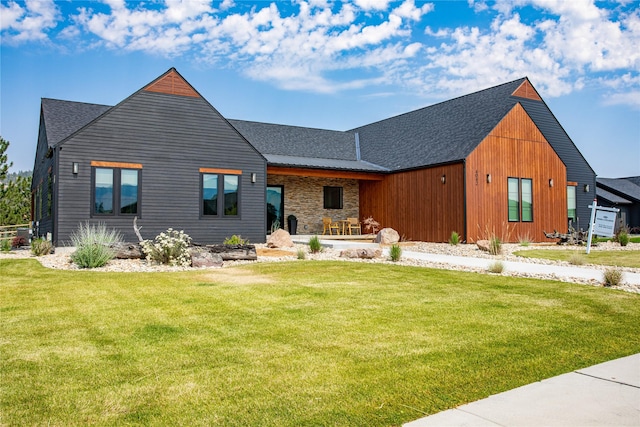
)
(116, 191)
(220, 194)
(520, 199)
(332, 197)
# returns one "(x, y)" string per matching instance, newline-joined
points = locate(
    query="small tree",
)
(15, 194)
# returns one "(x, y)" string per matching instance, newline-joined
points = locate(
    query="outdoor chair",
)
(354, 225)
(329, 226)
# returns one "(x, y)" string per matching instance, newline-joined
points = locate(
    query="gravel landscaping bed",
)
(61, 259)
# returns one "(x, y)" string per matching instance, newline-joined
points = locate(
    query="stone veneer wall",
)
(304, 198)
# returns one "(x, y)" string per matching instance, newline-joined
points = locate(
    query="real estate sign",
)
(603, 222)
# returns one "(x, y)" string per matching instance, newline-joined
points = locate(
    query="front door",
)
(275, 207)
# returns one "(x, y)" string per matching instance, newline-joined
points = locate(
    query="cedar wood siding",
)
(172, 137)
(416, 203)
(514, 148)
(578, 170)
(40, 177)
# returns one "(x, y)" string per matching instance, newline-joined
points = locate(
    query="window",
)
(220, 193)
(116, 191)
(520, 199)
(571, 203)
(332, 197)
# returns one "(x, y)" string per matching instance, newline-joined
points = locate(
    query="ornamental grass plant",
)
(93, 244)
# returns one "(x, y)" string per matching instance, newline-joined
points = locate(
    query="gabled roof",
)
(441, 133)
(622, 187)
(62, 118)
(323, 163)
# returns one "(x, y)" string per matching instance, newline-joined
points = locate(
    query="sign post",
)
(602, 223)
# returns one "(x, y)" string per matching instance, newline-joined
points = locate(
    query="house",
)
(624, 194)
(496, 160)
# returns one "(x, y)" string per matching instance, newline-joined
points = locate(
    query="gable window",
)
(116, 190)
(332, 197)
(520, 199)
(220, 192)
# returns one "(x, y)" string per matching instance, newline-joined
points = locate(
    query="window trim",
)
(220, 203)
(117, 189)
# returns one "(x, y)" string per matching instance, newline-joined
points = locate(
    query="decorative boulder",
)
(204, 258)
(127, 250)
(279, 239)
(483, 245)
(360, 253)
(387, 236)
(234, 252)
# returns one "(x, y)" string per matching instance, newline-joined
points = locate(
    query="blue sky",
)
(333, 65)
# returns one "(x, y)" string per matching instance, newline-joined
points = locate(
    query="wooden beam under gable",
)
(526, 90)
(172, 83)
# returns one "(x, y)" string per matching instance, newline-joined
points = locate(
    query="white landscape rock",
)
(387, 236)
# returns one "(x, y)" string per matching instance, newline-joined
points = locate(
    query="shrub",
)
(236, 240)
(314, 245)
(577, 259)
(612, 277)
(170, 247)
(454, 239)
(5, 245)
(302, 254)
(495, 246)
(371, 225)
(92, 242)
(496, 267)
(395, 252)
(18, 241)
(40, 247)
(275, 225)
(623, 238)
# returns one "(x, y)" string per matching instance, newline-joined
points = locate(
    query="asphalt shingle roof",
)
(624, 187)
(601, 193)
(441, 133)
(62, 118)
(298, 141)
(437, 134)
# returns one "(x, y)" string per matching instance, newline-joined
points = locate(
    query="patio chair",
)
(354, 225)
(329, 226)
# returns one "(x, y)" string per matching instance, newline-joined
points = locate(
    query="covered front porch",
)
(313, 194)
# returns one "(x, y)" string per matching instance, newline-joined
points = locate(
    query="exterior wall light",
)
(586, 188)
(488, 178)
(443, 178)
(551, 182)
(75, 166)
(254, 177)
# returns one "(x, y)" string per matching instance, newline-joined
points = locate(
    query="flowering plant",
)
(170, 247)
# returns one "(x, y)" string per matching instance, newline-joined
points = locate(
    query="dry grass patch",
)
(235, 276)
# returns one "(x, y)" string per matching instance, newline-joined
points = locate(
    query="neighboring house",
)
(492, 161)
(624, 194)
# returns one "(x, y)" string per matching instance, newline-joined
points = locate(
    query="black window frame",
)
(220, 202)
(521, 209)
(329, 193)
(117, 192)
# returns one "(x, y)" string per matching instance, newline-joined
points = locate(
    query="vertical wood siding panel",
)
(515, 148)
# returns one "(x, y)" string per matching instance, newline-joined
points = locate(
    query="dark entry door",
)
(275, 207)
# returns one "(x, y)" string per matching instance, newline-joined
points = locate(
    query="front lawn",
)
(613, 258)
(288, 344)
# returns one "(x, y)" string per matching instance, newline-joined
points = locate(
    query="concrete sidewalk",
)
(607, 394)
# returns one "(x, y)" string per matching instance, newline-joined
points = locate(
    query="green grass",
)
(613, 258)
(289, 344)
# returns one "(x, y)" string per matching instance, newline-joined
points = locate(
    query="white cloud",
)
(31, 22)
(372, 4)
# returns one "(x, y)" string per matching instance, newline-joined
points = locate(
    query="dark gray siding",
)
(578, 170)
(172, 137)
(43, 224)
